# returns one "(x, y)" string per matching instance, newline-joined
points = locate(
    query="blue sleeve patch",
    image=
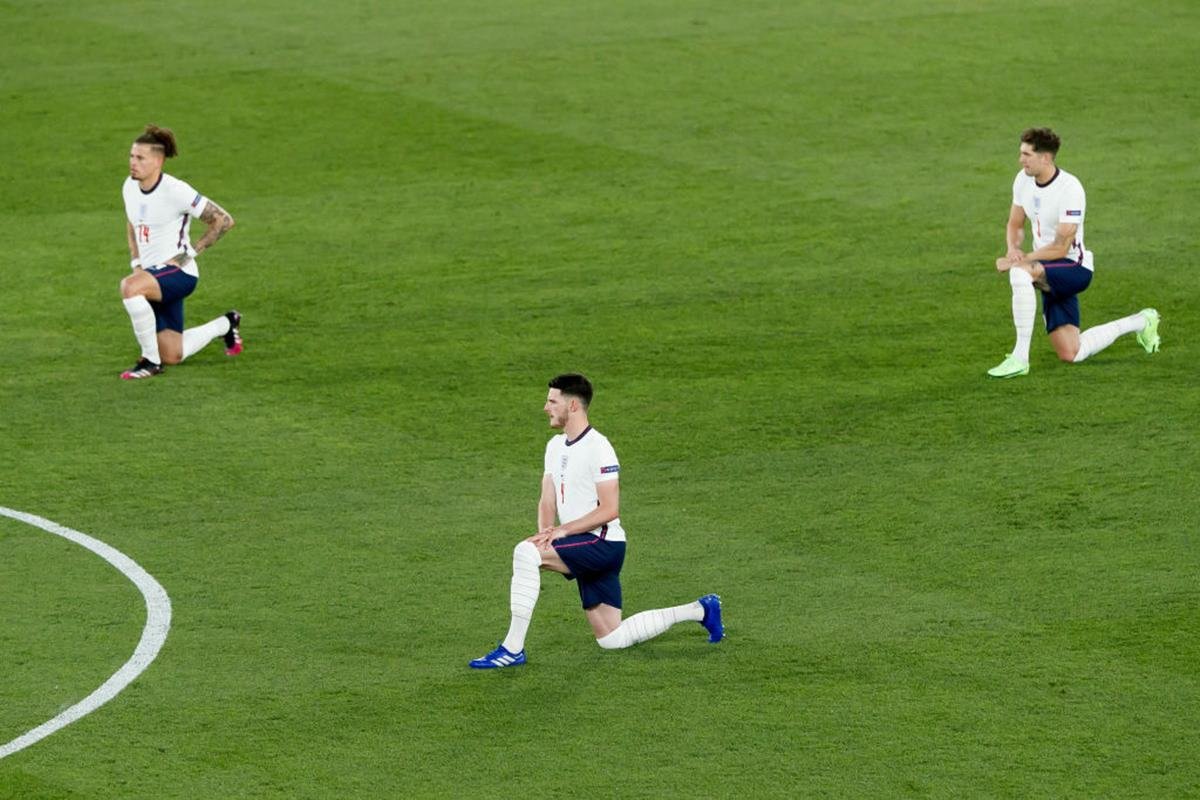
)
(610, 470)
(196, 201)
(1075, 213)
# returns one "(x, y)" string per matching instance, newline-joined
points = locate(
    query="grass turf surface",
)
(766, 233)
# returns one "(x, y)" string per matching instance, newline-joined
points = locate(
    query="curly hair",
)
(1043, 140)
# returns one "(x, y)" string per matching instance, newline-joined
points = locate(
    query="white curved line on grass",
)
(158, 623)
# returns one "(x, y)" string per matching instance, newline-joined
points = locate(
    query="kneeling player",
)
(1059, 265)
(159, 208)
(588, 544)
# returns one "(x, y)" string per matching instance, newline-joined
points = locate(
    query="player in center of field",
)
(579, 486)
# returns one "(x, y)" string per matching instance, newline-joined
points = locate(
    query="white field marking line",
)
(158, 623)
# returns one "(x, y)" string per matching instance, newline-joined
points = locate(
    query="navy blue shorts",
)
(1060, 305)
(175, 285)
(596, 564)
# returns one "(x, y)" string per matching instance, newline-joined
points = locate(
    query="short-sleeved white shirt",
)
(161, 219)
(576, 467)
(1062, 199)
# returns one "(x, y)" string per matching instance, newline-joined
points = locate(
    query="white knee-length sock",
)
(142, 317)
(523, 594)
(194, 339)
(1024, 309)
(1093, 340)
(648, 624)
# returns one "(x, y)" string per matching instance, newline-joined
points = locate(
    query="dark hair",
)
(575, 385)
(162, 138)
(1043, 140)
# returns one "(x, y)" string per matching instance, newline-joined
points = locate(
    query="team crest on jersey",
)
(563, 466)
(142, 211)
(610, 470)
(1037, 202)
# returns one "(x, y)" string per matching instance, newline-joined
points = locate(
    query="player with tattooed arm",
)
(160, 208)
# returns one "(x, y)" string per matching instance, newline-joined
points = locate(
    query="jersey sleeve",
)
(1017, 189)
(546, 459)
(1074, 204)
(606, 467)
(187, 200)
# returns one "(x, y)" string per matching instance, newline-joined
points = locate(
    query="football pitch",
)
(766, 232)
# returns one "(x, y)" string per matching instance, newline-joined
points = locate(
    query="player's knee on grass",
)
(606, 627)
(170, 348)
(1066, 346)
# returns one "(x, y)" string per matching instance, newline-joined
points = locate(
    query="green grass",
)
(766, 232)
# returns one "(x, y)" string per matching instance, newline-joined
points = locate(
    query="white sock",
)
(1093, 340)
(1024, 309)
(142, 317)
(194, 339)
(648, 624)
(523, 594)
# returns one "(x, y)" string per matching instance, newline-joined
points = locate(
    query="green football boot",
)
(1010, 367)
(1148, 336)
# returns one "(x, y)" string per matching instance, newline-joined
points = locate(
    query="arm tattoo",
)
(218, 221)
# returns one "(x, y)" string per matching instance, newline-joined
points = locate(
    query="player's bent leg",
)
(523, 594)
(648, 624)
(195, 339)
(138, 290)
(141, 316)
(1024, 309)
(1144, 324)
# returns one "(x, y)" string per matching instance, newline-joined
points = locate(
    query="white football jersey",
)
(1060, 200)
(576, 467)
(161, 219)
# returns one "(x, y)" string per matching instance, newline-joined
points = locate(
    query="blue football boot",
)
(712, 617)
(499, 658)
